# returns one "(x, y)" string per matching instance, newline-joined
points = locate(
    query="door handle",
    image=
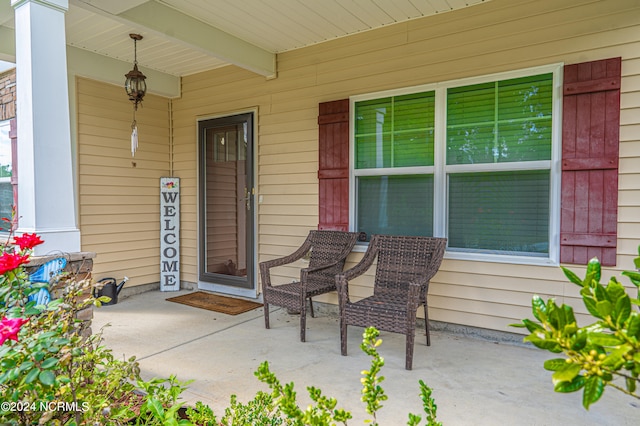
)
(247, 197)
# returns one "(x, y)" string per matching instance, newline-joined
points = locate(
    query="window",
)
(6, 189)
(472, 160)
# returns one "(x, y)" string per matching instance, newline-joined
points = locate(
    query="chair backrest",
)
(329, 246)
(401, 259)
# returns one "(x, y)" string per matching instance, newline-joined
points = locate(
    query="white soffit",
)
(183, 37)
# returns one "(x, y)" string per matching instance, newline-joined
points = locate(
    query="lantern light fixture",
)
(135, 84)
(136, 88)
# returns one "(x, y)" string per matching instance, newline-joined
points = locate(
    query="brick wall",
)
(8, 94)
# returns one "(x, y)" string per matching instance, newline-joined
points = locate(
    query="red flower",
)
(10, 261)
(9, 328)
(28, 241)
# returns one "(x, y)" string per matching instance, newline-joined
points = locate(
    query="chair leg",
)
(426, 324)
(303, 320)
(266, 314)
(409, 352)
(311, 306)
(343, 337)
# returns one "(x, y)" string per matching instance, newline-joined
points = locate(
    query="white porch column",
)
(45, 178)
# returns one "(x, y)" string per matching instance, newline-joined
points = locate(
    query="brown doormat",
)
(214, 302)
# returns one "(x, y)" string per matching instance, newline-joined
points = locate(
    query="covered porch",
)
(476, 380)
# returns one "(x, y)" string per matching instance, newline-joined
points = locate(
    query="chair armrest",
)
(436, 258)
(298, 254)
(321, 267)
(413, 297)
(365, 263)
(266, 265)
(342, 288)
(342, 279)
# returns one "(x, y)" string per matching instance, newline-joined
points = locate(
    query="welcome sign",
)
(169, 234)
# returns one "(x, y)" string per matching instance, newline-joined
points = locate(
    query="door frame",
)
(252, 228)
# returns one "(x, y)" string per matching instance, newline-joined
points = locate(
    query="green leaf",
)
(14, 373)
(31, 311)
(569, 316)
(156, 408)
(47, 377)
(631, 384)
(600, 292)
(593, 389)
(634, 277)
(615, 290)
(572, 276)
(556, 316)
(593, 268)
(622, 310)
(554, 364)
(54, 304)
(7, 363)
(604, 339)
(49, 363)
(566, 373)
(633, 328)
(605, 308)
(63, 379)
(532, 326)
(539, 308)
(26, 365)
(565, 387)
(47, 335)
(547, 344)
(590, 304)
(62, 341)
(579, 340)
(615, 358)
(31, 375)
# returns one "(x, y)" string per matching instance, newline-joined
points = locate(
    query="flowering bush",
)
(9, 328)
(50, 373)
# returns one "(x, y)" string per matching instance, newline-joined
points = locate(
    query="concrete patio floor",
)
(474, 381)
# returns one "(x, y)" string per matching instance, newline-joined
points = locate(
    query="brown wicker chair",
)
(328, 252)
(404, 267)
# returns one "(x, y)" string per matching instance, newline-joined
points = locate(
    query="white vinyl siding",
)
(493, 37)
(119, 194)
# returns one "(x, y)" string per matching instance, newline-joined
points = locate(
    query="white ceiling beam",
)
(193, 33)
(102, 68)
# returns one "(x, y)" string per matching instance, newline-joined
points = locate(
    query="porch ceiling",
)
(183, 37)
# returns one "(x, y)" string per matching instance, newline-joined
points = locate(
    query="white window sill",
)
(485, 257)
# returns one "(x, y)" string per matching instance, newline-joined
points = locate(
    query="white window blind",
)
(486, 146)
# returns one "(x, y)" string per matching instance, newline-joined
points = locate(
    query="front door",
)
(226, 205)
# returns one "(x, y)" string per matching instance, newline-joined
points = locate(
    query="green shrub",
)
(603, 354)
(280, 407)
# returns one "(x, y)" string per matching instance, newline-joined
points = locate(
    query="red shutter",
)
(333, 165)
(590, 139)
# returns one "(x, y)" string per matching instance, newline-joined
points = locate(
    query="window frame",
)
(7, 179)
(441, 170)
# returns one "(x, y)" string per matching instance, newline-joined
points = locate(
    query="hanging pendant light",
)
(136, 88)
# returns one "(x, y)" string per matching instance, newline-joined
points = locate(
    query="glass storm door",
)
(226, 218)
